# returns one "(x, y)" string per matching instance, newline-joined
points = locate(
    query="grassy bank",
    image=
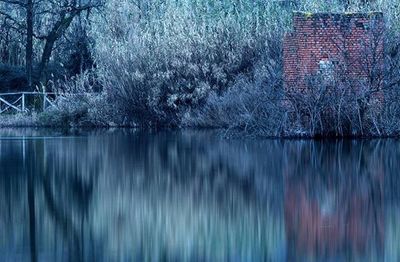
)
(19, 120)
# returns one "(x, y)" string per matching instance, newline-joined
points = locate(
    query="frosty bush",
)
(156, 59)
(77, 105)
(219, 64)
(253, 105)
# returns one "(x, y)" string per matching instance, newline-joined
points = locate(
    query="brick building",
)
(334, 47)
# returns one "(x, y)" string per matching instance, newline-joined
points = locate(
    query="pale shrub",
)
(157, 63)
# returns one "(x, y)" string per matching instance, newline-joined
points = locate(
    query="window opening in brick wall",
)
(327, 70)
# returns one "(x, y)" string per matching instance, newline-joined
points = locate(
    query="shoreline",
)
(31, 122)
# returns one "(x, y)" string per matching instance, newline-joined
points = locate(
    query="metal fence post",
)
(44, 101)
(23, 102)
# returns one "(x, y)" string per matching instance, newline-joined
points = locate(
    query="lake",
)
(129, 195)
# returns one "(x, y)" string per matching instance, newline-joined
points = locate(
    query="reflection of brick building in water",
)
(325, 44)
(334, 216)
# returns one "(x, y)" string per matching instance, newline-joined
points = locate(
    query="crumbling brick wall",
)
(324, 43)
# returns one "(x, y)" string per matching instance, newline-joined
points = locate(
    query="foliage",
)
(39, 34)
(158, 62)
(202, 64)
(19, 120)
(78, 105)
(205, 63)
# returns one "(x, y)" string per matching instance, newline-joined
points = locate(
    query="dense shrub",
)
(247, 106)
(338, 110)
(78, 105)
(219, 64)
(19, 120)
(161, 59)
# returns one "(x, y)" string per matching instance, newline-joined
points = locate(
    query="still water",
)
(126, 195)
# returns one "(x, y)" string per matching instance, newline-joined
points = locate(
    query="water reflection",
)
(334, 201)
(192, 196)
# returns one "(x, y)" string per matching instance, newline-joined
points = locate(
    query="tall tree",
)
(46, 21)
(29, 42)
(68, 10)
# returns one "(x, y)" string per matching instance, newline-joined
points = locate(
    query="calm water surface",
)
(127, 195)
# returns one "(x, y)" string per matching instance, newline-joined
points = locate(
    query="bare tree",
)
(46, 21)
(67, 12)
(29, 42)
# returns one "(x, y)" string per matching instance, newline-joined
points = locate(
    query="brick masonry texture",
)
(352, 42)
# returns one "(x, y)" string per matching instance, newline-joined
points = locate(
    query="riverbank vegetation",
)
(198, 64)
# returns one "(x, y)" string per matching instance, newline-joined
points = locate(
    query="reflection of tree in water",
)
(193, 196)
(68, 181)
(206, 163)
(37, 181)
(180, 192)
(149, 195)
(13, 195)
(334, 199)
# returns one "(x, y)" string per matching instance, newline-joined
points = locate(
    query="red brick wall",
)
(353, 42)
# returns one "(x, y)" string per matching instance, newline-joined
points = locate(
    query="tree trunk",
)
(29, 43)
(51, 39)
(48, 49)
(28, 169)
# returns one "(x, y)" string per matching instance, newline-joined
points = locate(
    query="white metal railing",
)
(17, 102)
